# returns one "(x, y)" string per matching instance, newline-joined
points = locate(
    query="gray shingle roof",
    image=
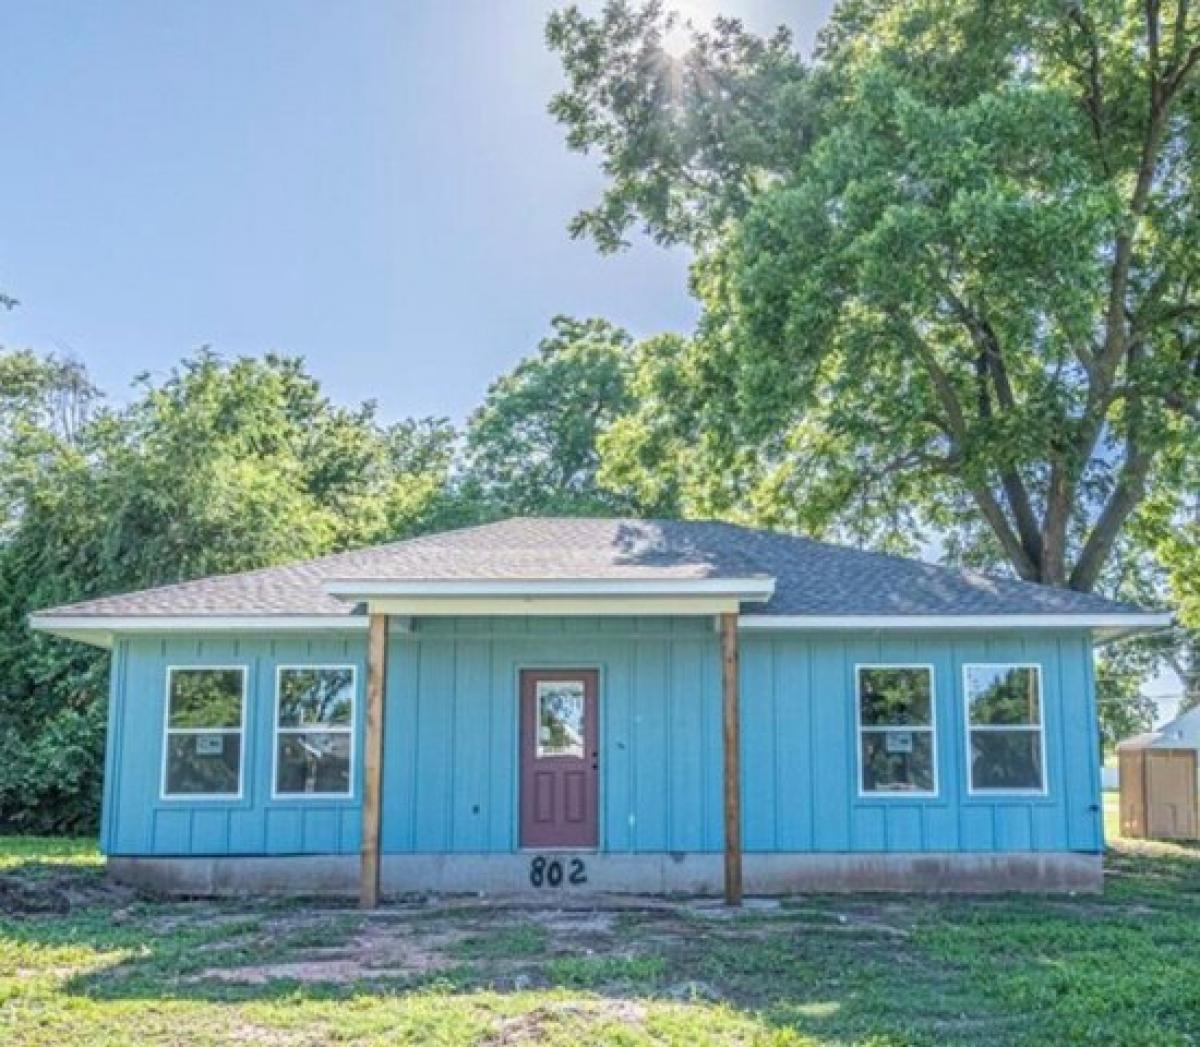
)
(812, 578)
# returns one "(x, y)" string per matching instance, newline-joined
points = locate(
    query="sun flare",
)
(691, 14)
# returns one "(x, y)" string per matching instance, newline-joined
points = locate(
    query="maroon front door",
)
(559, 754)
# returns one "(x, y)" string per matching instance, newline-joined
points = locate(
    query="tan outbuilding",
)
(1160, 786)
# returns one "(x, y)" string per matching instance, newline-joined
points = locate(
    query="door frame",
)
(558, 665)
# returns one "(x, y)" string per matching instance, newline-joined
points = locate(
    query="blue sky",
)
(372, 184)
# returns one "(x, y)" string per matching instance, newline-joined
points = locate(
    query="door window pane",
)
(560, 720)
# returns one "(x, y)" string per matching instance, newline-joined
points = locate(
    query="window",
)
(1005, 742)
(896, 730)
(560, 726)
(205, 711)
(314, 730)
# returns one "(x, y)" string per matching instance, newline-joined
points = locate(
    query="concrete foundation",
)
(548, 874)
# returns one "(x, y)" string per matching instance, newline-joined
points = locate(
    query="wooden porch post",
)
(733, 773)
(368, 892)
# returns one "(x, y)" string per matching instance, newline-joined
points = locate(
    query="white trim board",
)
(100, 629)
(552, 606)
(1118, 622)
(751, 589)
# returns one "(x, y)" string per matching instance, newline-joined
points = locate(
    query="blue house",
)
(552, 705)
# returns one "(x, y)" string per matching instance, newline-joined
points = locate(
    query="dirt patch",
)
(55, 890)
(261, 1034)
(22, 897)
(200, 916)
(571, 923)
(378, 951)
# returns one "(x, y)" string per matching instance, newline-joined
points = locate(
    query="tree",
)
(1162, 557)
(45, 402)
(223, 466)
(532, 446)
(948, 272)
(1122, 707)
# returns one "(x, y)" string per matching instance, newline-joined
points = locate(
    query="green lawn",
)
(116, 968)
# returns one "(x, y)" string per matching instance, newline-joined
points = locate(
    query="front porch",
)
(715, 602)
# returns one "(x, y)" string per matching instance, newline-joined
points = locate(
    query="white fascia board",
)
(1117, 621)
(753, 589)
(99, 629)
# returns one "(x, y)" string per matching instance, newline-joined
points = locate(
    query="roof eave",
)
(751, 589)
(1105, 626)
(99, 629)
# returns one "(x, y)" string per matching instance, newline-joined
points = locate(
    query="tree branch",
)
(1181, 13)
(1162, 93)
(1093, 98)
(1131, 488)
(991, 369)
(957, 431)
(1126, 496)
(1152, 31)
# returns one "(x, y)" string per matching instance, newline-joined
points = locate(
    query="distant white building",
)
(1181, 733)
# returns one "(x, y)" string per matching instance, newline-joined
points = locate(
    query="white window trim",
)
(168, 730)
(349, 729)
(1040, 727)
(885, 794)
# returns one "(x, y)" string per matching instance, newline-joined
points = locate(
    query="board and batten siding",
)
(450, 748)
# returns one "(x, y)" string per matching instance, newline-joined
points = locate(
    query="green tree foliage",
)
(1124, 709)
(1162, 562)
(221, 467)
(531, 448)
(44, 405)
(226, 466)
(948, 272)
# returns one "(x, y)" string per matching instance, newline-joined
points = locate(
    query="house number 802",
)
(550, 873)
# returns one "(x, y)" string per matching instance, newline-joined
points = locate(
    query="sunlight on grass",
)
(16, 851)
(29, 959)
(822, 1009)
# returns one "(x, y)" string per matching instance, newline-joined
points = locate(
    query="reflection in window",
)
(896, 737)
(560, 720)
(204, 731)
(314, 731)
(1004, 727)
